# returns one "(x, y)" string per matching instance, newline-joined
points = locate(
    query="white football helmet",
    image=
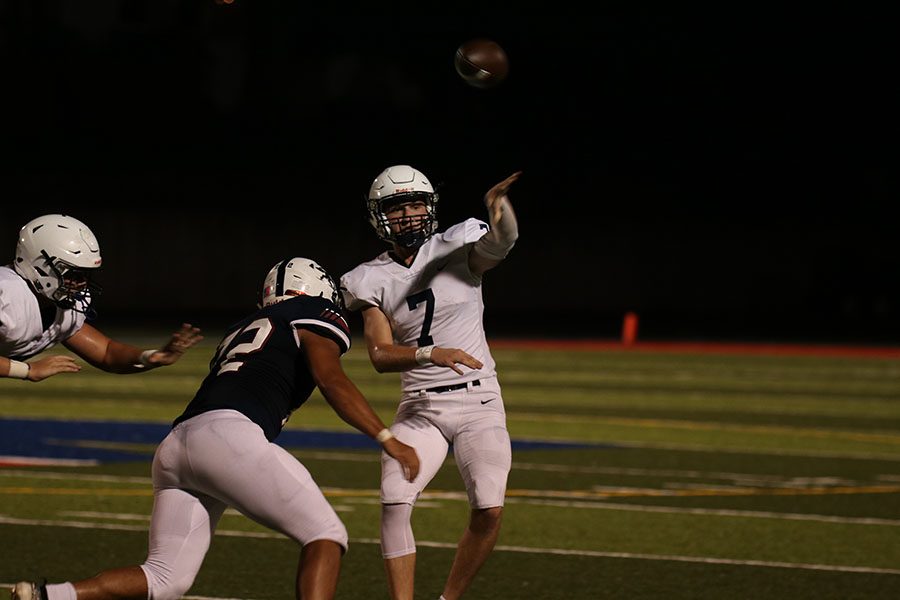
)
(57, 254)
(397, 185)
(298, 276)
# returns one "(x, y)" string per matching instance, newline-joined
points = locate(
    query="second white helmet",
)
(57, 254)
(298, 276)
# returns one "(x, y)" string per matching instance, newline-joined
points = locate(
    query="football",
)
(481, 63)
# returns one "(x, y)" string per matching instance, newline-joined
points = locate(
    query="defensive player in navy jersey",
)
(422, 309)
(220, 453)
(45, 299)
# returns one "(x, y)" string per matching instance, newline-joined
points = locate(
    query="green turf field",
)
(716, 476)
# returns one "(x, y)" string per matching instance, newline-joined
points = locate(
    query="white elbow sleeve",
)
(497, 243)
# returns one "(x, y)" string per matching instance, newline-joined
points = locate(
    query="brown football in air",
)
(481, 63)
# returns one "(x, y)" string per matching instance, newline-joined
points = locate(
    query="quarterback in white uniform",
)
(45, 299)
(422, 310)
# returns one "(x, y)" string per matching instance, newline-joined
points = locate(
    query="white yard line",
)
(501, 548)
(73, 476)
(753, 514)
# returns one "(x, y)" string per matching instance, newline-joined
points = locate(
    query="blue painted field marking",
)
(91, 440)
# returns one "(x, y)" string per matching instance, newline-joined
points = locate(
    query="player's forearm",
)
(394, 359)
(497, 242)
(350, 405)
(122, 359)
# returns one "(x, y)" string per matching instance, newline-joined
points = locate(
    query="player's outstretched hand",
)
(494, 197)
(450, 357)
(181, 341)
(405, 455)
(43, 368)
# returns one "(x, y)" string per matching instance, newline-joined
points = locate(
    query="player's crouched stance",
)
(220, 451)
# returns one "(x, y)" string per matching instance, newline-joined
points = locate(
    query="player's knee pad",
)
(335, 531)
(487, 491)
(396, 530)
(166, 583)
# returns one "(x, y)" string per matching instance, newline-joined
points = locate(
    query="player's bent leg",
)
(294, 504)
(263, 481)
(473, 550)
(127, 583)
(398, 497)
(181, 529)
(317, 573)
(484, 457)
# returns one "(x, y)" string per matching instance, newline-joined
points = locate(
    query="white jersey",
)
(436, 300)
(22, 334)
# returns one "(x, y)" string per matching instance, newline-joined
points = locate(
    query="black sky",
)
(726, 175)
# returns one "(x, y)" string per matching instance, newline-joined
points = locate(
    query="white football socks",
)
(61, 591)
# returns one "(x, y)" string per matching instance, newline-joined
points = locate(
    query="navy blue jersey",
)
(259, 369)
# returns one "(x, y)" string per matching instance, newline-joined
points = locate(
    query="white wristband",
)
(18, 369)
(423, 355)
(384, 435)
(145, 359)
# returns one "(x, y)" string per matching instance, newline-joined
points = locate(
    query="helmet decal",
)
(298, 276)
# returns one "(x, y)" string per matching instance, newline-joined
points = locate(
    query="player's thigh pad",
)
(430, 445)
(483, 453)
(234, 462)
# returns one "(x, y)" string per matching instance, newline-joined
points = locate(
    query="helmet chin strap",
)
(78, 302)
(411, 240)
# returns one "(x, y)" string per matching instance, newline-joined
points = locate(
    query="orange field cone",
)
(629, 328)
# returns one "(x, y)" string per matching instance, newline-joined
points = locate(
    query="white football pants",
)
(474, 420)
(216, 460)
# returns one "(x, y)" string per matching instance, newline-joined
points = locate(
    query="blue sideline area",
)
(91, 440)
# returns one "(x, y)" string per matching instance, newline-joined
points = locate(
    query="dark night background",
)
(726, 176)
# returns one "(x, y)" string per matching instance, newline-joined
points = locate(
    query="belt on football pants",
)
(452, 388)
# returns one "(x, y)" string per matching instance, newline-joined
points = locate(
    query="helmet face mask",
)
(298, 276)
(57, 255)
(76, 287)
(394, 187)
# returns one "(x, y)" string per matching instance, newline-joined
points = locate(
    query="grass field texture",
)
(702, 475)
